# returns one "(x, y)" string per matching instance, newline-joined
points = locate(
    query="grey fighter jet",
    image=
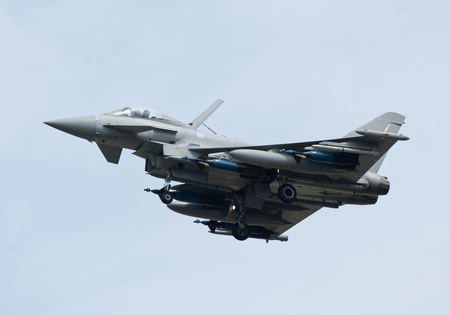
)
(243, 189)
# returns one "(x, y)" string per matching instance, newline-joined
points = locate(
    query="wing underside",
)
(325, 173)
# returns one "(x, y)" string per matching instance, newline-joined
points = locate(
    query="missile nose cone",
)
(83, 127)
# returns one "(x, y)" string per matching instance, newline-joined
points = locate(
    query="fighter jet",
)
(239, 188)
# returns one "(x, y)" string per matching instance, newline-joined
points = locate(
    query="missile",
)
(213, 225)
(223, 228)
(224, 165)
(336, 149)
(332, 158)
(220, 214)
(326, 157)
(281, 238)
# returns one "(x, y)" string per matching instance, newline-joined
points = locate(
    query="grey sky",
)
(79, 236)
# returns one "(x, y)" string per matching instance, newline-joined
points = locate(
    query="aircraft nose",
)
(83, 127)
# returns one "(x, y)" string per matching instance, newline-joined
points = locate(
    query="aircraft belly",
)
(307, 193)
(226, 179)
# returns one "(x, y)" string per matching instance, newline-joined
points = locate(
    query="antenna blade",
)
(209, 129)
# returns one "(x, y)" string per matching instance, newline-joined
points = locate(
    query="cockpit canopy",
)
(139, 112)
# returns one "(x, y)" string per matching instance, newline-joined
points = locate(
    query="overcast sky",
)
(79, 236)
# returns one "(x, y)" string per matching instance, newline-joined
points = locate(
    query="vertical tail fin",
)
(389, 122)
(381, 134)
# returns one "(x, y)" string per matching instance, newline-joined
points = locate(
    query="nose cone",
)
(83, 127)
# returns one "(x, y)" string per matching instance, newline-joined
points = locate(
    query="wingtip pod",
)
(381, 135)
(388, 123)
